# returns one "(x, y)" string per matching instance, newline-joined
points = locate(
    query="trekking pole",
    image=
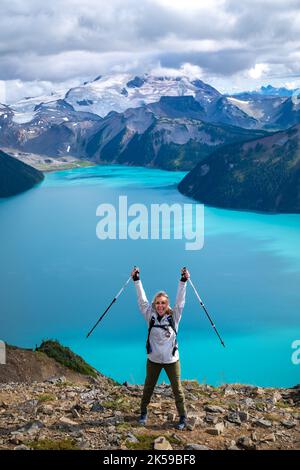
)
(207, 314)
(113, 301)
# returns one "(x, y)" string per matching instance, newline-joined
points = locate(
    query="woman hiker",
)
(162, 350)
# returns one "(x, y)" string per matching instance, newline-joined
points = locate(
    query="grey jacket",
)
(161, 344)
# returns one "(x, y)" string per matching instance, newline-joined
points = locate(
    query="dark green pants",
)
(173, 373)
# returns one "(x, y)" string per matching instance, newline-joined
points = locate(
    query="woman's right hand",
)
(135, 273)
(185, 275)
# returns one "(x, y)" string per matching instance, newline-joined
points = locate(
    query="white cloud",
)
(188, 70)
(258, 70)
(45, 45)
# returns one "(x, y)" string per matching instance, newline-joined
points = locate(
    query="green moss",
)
(145, 442)
(124, 426)
(46, 397)
(51, 444)
(282, 404)
(118, 403)
(66, 357)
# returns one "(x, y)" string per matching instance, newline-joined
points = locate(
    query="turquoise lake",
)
(57, 277)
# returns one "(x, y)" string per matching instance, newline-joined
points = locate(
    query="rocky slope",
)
(260, 175)
(173, 133)
(53, 128)
(170, 134)
(82, 412)
(16, 176)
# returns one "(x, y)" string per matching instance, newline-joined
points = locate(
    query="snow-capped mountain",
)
(24, 110)
(122, 91)
(113, 117)
(54, 125)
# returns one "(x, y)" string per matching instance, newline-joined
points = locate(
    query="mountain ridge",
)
(16, 176)
(261, 175)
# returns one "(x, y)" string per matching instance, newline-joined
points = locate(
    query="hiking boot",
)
(143, 419)
(182, 423)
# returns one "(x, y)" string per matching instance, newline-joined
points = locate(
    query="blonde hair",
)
(162, 293)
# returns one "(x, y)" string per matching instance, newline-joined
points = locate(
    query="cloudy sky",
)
(230, 44)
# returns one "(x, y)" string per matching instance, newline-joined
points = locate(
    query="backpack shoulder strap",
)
(151, 324)
(171, 321)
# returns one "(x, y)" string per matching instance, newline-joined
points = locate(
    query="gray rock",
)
(234, 417)
(45, 409)
(113, 420)
(161, 443)
(229, 392)
(246, 443)
(96, 407)
(244, 416)
(214, 409)
(31, 427)
(191, 446)
(28, 406)
(66, 423)
(217, 429)
(263, 423)
(276, 397)
(131, 438)
(249, 402)
(191, 423)
(211, 418)
(289, 424)
(57, 380)
(232, 446)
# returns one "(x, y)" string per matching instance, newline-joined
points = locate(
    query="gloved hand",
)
(135, 273)
(184, 274)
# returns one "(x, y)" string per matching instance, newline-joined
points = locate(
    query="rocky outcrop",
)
(67, 412)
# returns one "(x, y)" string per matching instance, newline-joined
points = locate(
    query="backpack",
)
(164, 327)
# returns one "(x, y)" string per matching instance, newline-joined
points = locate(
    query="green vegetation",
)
(64, 166)
(66, 357)
(52, 444)
(145, 442)
(119, 403)
(46, 397)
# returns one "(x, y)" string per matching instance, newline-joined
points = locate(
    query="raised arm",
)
(180, 297)
(144, 306)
